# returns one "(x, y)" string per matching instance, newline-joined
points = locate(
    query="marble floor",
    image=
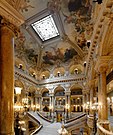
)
(51, 129)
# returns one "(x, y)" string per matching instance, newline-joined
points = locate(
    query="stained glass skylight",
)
(46, 28)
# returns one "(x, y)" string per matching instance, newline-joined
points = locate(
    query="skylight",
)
(45, 28)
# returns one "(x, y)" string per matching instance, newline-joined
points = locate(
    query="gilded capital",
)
(103, 68)
(5, 23)
(102, 64)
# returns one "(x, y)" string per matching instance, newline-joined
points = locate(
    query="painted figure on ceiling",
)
(50, 58)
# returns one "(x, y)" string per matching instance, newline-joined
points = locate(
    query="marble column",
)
(52, 104)
(87, 97)
(36, 99)
(101, 67)
(6, 81)
(92, 87)
(67, 104)
(99, 98)
(103, 89)
(83, 102)
(40, 103)
(87, 102)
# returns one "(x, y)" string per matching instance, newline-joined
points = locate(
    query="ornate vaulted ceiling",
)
(74, 23)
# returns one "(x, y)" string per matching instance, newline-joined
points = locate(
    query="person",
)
(17, 130)
(110, 111)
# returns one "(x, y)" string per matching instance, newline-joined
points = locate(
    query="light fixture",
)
(20, 66)
(84, 63)
(37, 106)
(25, 101)
(43, 76)
(50, 107)
(58, 73)
(98, 1)
(62, 131)
(67, 106)
(34, 75)
(76, 70)
(18, 90)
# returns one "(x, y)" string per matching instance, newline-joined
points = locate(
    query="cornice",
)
(102, 63)
(11, 14)
(97, 33)
(63, 80)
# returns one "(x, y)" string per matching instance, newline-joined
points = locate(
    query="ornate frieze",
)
(11, 14)
(102, 64)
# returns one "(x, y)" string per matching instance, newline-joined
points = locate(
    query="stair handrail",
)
(44, 117)
(40, 124)
(73, 119)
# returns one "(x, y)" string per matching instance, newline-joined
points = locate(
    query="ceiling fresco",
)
(76, 22)
(51, 57)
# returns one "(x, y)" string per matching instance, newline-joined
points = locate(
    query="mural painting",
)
(78, 13)
(80, 16)
(32, 56)
(50, 58)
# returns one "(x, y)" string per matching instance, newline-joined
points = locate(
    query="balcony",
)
(24, 75)
(56, 80)
(63, 79)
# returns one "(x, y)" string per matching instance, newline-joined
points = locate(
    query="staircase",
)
(48, 128)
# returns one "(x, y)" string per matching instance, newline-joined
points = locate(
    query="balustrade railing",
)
(71, 78)
(101, 130)
(23, 74)
(90, 121)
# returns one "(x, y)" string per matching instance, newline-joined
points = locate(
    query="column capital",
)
(67, 92)
(12, 15)
(5, 23)
(51, 94)
(102, 64)
(67, 85)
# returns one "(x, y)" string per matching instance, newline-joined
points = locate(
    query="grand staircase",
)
(49, 128)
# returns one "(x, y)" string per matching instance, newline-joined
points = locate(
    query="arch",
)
(76, 88)
(44, 90)
(32, 88)
(76, 85)
(58, 88)
(32, 72)
(45, 74)
(59, 71)
(79, 67)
